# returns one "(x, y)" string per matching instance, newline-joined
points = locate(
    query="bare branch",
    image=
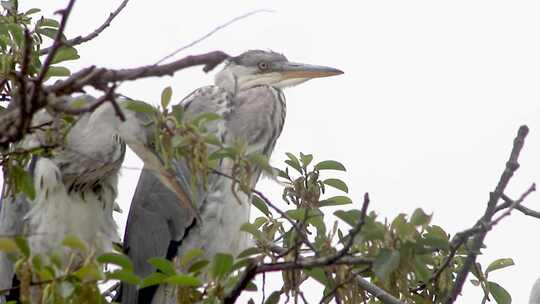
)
(99, 77)
(377, 292)
(527, 211)
(108, 96)
(80, 39)
(56, 45)
(514, 205)
(511, 166)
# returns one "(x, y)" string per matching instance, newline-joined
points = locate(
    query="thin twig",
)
(213, 32)
(514, 205)
(80, 39)
(511, 166)
(353, 232)
(527, 211)
(377, 292)
(55, 46)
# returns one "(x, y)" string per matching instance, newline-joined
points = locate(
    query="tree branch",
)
(80, 39)
(55, 46)
(511, 166)
(377, 292)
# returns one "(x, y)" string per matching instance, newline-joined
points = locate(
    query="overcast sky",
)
(425, 114)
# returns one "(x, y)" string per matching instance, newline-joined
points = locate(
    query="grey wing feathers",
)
(155, 217)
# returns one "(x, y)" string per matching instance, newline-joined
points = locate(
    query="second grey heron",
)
(248, 95)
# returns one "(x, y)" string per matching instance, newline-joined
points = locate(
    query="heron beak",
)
(307, 71)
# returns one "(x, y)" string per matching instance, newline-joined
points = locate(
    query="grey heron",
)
(76, 188)
(248, 94)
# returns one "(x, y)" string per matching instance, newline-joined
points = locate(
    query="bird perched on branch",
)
(76, 188)
(248, 94)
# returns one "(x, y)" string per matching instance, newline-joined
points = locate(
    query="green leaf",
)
(499, 264)
(166, 95)
(47, 31)
(22, 243)
(65, 53)
(335, 201)
(8, 245)
(49, 22)
(261, 205)
(17, 34)
(90, 272)
(330, 165)
(249, 252)
(350, 217)
(293, 162)
(421, 270)
(420, 218)
(221, 265)
(124, 275)
(206, 118)
(306, 159)
(499, 293)
(190, 256)
(318, 274)
(162, 265)
(23, 182)
(199, 265)
(301, 214)
(183, 280)
(273, 298)
(116, 259)
(154, 278)
(32, 11)
(139, 106)
(337, 183)
(73, 242)
(386, 262)
(57, 71)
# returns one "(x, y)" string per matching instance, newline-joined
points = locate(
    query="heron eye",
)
(263, 66)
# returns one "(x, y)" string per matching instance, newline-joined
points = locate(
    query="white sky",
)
(425, 115)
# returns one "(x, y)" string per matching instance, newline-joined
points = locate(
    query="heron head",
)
(255, 68)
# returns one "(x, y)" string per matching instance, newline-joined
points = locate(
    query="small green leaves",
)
(350, 217)
(499, 264)
(318, 274)
(335, 201)
(139, 106)
(75, 243)
(22, 243)
(337, 183)
(261, 205)
(221, 265)
(191, 256)
(166, 97)
(306, 159)
(162, 265)
(116, 259)
(65, 53)
(183, 280)
(154, 278)
(124, 275)
(8, 245)
(499, 293)
(23, 182)
(386, 262)
(57, 71)
(330, 165)
(420, 218)
(293, 162)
